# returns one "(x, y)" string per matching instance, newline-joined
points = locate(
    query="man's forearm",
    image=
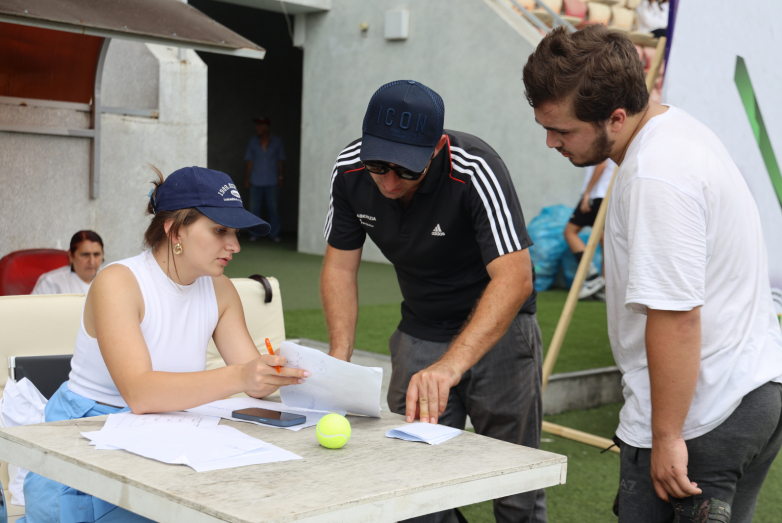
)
(673, 351)
(595, 177)
(339, 290)
(489, 322)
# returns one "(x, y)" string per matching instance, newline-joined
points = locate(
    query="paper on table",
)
(128, 419)
(200, 448)
(424, 432)
(268, 454)
(224, 408)
(333, 385)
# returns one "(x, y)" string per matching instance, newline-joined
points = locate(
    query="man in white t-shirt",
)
(690, 314)
(597, 178)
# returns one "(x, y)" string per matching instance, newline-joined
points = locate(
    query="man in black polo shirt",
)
(441, 207)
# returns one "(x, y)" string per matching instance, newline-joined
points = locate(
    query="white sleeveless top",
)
(178, 323)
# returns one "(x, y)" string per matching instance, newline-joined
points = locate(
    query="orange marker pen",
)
(271, 351)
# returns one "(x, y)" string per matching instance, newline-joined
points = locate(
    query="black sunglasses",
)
(383, 168)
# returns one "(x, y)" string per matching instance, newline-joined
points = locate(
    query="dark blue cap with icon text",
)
(211, 192)
(402, 125)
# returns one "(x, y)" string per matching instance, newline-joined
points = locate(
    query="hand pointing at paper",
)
(427, 394)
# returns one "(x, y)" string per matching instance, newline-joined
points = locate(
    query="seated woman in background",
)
(146, 324)
(86, 257)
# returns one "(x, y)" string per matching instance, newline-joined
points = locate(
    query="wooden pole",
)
(654, 69)
(591, 247)
(578, 281)
(581, 437)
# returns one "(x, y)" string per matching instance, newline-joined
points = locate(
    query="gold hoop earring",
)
(178, 248)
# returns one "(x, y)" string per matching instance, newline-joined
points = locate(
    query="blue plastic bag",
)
(546, 231)
(569, 263)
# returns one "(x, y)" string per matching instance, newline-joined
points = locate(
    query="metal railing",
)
(557, 21)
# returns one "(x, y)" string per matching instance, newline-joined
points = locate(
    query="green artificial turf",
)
(592, 478)
(585, 346)
(299, 274)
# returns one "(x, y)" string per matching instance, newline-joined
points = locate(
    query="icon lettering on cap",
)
(420, 125)
(402, 123)
(235, 193)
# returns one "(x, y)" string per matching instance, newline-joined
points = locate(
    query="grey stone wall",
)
(464, 50)
(45, 179)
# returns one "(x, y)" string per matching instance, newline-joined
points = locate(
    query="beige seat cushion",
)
(598, 13)
(264, 320)
(38, 325)
(554, 5)
(623, 18)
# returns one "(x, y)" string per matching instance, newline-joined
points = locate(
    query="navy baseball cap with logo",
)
(211, 192)
(402, 125)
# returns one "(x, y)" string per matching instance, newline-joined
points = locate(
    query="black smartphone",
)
(270, 417)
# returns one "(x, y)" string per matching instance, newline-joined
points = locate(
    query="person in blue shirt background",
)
(265, 158)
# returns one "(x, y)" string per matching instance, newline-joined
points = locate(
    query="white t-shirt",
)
(60, 281)
(652, 15)
(601, 187)
(683, 231)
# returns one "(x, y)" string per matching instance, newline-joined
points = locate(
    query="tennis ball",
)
(333, 431)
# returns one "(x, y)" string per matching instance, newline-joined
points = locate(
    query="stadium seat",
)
(575, 8)
(644, 40)
(623, 18)
(554, 5)
(20, 270)
(598, 13)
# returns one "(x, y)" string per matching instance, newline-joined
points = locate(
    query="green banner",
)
(747, 94)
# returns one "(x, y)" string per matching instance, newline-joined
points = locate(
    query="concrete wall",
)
(45, 178)
(464, 50)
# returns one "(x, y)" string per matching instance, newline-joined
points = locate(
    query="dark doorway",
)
(241, 89)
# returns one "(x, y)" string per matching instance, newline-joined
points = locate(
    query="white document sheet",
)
(334, 385)
(224, 408)
(424, 432)
(200, 448)
(128, 419)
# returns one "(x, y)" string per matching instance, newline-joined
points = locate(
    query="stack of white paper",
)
(424, 432)
(224, 408)
(334, 385)
(197, 442)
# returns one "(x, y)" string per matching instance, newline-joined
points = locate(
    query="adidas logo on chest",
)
(438, 231)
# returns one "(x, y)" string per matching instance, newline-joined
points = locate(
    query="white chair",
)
(264, 318)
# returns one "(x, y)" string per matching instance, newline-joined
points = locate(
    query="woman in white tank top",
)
(146, 325)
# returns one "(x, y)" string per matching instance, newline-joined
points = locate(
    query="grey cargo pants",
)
(501, 394)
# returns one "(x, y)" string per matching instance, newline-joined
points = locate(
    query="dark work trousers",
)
(501, 394)
(729, 464)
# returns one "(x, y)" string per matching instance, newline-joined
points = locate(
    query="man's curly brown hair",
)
(599, 70)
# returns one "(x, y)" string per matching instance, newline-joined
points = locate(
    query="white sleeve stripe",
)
(489, 213)
(480, 176)
(504, 226)
(501, 195)
(350, 155)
